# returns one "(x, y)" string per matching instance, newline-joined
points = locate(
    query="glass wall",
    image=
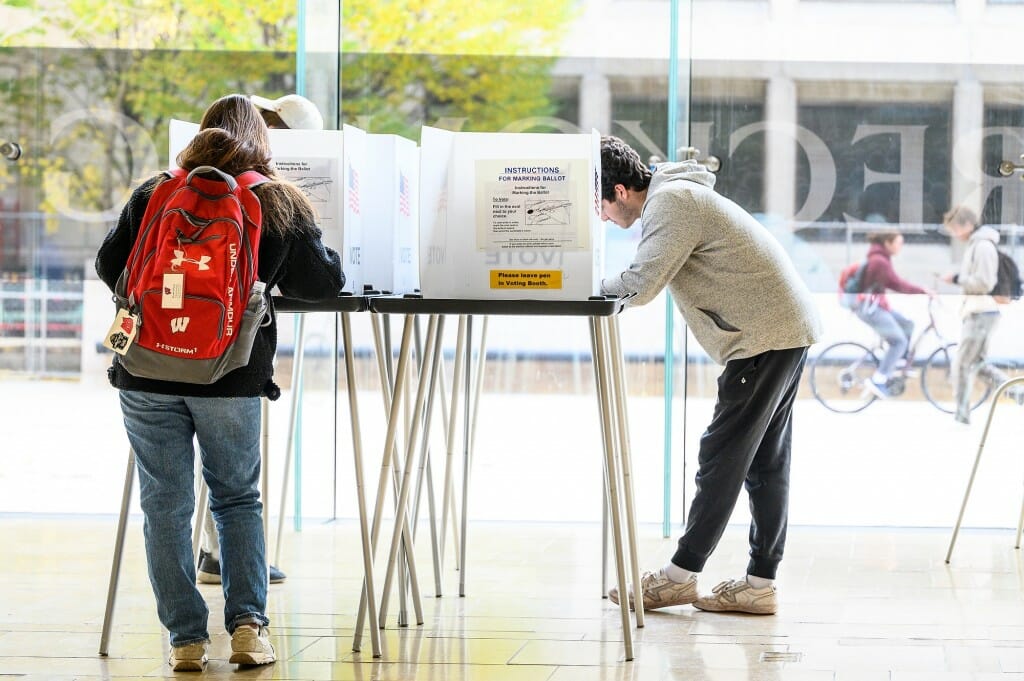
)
(836, 122)
(830, 121)
(532, 67)
(90, 89)
(86, 93)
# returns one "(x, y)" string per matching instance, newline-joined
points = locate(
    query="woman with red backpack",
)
(163, 417)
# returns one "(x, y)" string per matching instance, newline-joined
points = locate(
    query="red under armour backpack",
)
(851, 284)
(189, 301)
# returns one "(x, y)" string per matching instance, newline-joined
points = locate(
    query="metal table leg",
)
(296, 389)
(385, 466)
(977, 459)
(357, 457)
(401, 528)
(603, 385)
(115, 564)
(619, 394)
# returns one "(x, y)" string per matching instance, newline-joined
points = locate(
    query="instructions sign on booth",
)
(531, 204)
(510, 216)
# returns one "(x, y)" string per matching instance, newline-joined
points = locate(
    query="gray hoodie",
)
(978, 271)
(731, 279)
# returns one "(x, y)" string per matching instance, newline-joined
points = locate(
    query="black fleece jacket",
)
(297, 262)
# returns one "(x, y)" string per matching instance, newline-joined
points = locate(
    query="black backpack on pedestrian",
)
(1008, 283)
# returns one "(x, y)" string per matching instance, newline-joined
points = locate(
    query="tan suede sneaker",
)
(188, 658)
(250, 645)
(659, 591)
(738, 596)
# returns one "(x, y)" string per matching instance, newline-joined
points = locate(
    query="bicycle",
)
(839, 373)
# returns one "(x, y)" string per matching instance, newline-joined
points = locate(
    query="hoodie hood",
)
(684, 170)
(987, 233)
(979, 272)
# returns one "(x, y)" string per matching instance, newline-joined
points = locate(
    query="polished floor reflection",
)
(857, 604)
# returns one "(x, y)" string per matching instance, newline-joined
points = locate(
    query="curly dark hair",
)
(620, 164)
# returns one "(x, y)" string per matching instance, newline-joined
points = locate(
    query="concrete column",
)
(966, 129)
(780, 148)
(595, 100)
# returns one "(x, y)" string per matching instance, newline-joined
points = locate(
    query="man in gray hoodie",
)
(745, 303)
(980, 313)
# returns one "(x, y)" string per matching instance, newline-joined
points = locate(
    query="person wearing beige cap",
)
(291, 111)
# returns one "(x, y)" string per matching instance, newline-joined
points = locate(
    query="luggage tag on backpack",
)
(173, 297)
(122, 332)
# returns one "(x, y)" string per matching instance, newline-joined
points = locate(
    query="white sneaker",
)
(251, 646)
(738, 596)
(879, 390)
(188, 658)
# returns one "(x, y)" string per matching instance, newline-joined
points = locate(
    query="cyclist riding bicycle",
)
(874, 310)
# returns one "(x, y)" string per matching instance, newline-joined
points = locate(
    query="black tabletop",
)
(594, 307)
(344, 303)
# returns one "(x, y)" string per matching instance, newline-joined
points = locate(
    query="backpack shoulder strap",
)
(162, 190)
(251, 178)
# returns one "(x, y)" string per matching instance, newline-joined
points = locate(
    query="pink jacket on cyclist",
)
(880, 276)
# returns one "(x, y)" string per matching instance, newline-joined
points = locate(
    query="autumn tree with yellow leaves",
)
(470, 65)
(90, 85)
(94, 83)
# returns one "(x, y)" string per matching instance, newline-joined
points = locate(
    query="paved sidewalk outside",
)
(897, 463)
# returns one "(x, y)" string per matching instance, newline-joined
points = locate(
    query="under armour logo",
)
(180, 258)
(179, 324)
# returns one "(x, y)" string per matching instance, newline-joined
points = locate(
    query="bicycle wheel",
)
(838, 374)
(937, 381)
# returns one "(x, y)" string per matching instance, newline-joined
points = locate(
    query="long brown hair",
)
(233, 137)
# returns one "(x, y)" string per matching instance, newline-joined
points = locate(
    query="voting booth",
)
(510, 215)
(391, 218)
(328, 166)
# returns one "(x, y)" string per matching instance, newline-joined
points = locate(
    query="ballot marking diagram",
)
(548, 212)
(318, 179)
(531, 204)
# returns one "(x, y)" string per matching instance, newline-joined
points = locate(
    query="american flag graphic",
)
(403, 195)
(353, 190)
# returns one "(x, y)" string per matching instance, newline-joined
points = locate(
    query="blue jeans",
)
(893, 327)
(161, 429)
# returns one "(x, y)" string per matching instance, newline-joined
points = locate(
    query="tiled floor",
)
(858, 604)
